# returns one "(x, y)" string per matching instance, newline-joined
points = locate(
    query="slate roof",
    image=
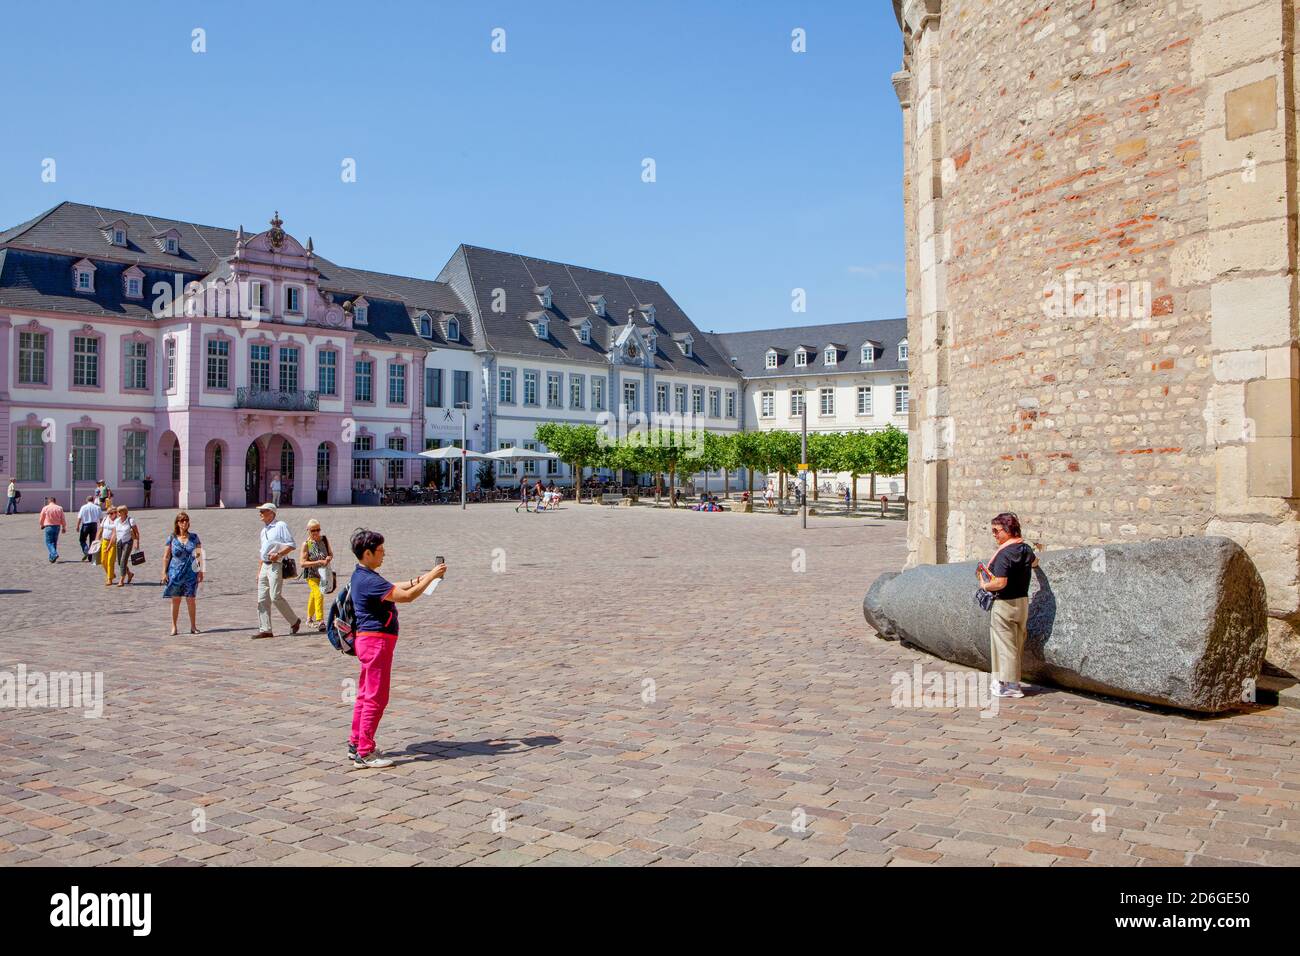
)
(36, 260)
(750, 348)
(476, 272)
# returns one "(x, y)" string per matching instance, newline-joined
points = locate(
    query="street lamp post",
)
(72, 478)
(803, 462)
(464, 428)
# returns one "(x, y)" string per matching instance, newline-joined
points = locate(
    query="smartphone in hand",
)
(433, 585)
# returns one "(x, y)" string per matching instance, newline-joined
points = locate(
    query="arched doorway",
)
(167, 473)
(253, 476)
(214, 460)
(324, 460)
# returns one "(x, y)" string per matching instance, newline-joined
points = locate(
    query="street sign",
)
(803, 466)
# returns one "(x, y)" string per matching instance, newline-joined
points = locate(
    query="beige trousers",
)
(1007, 634)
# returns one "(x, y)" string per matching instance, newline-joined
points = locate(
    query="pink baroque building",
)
(210, 361)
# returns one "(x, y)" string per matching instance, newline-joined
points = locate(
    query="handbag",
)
(984, 599)
(137, 557)
(290, 568)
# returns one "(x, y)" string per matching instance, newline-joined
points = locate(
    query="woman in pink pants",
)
(375, 600)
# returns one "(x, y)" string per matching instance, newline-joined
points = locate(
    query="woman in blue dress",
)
(182, 569)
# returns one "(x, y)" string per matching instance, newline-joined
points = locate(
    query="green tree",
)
(727, 457)
(577, 445)
(750, 454)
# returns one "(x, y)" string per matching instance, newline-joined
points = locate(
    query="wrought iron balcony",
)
(276, 400)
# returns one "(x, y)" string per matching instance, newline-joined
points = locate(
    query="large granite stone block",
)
(1180, 622)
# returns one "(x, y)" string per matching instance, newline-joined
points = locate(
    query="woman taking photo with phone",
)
(1007, 579)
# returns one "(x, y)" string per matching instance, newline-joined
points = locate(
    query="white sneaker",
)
(1007, 690)
(372, 761)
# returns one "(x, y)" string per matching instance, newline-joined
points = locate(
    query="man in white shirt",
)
(276, 545)
(275, 490)
(88, 525)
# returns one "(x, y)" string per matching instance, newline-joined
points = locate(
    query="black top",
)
(1015, 563)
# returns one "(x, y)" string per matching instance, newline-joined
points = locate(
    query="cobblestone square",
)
(595, 686)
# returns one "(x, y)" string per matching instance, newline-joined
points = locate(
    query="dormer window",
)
(172, 246)
(115, 233)
(360, 311)
(453, 330)
(292, 298)
(597, 304)
(687, 345)
(584, 333)
(119, 237)
(83, 276)
(649, 312)
(772, 359)
(169, 242)
(543, 293)
(801, 358)
(426, 325)
(543, 329)
(133, 283)
(902, 351)
(868, 354)
(831, 356)
(650, 342)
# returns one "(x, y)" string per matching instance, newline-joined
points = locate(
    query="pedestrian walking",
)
(523, 496)
(1007, 578)
(182, 569)
(276, 488)
(88, 519)
(107, 544)
(148, 490)
(126, 535)
(52, 521)
(99, 493)
(315, 558)
(14, 494)
(769, 495)
(276, 544)
(108, 499)
(375, 600)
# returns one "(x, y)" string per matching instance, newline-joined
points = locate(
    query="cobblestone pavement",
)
(626, 686)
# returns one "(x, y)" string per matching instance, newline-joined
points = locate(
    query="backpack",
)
(341, 626)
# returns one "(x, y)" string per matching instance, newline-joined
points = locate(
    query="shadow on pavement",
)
(451, 749)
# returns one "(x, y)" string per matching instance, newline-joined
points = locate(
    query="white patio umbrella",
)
(450, 452)
(521, 454)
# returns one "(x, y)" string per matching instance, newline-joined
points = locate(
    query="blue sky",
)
(774, 170)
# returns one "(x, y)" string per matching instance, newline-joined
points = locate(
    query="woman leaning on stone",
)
(1007, 579)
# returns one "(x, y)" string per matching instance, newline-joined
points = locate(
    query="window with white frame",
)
(864, 400)
(396, 466)
(133, 454)
(85, 361)
(256, 296)
(397, 383)
(543, 329)
(219, 363)
(597, 394)
(731, 403)
(505, 469)
(767, 404)
(290, 360)
(363, 382)
(900, 399)
(361, 466)
(169, 348)
(31, 453)
(679, 399)
(661, 397)
(83, 278)
(119, 237)
(800, 358)
(361, 315)
(259, 367)
(827, 396)
(632, 395)
(796, 402)
(453, 330)
(697, 399)
(715, 403)
(32, 358)
(292, 299)
(530, 467)
(137, 365)
(85, 452)
(831, 356)
(868, 355)
(584, 334)
(172, 246)
(133, 287)
(902, 351)
(506, 386)
(554, 390)
(575, 390)
(327, 372)
(530, 387)
(771, 359)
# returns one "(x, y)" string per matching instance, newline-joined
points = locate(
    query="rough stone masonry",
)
(1100, 205)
